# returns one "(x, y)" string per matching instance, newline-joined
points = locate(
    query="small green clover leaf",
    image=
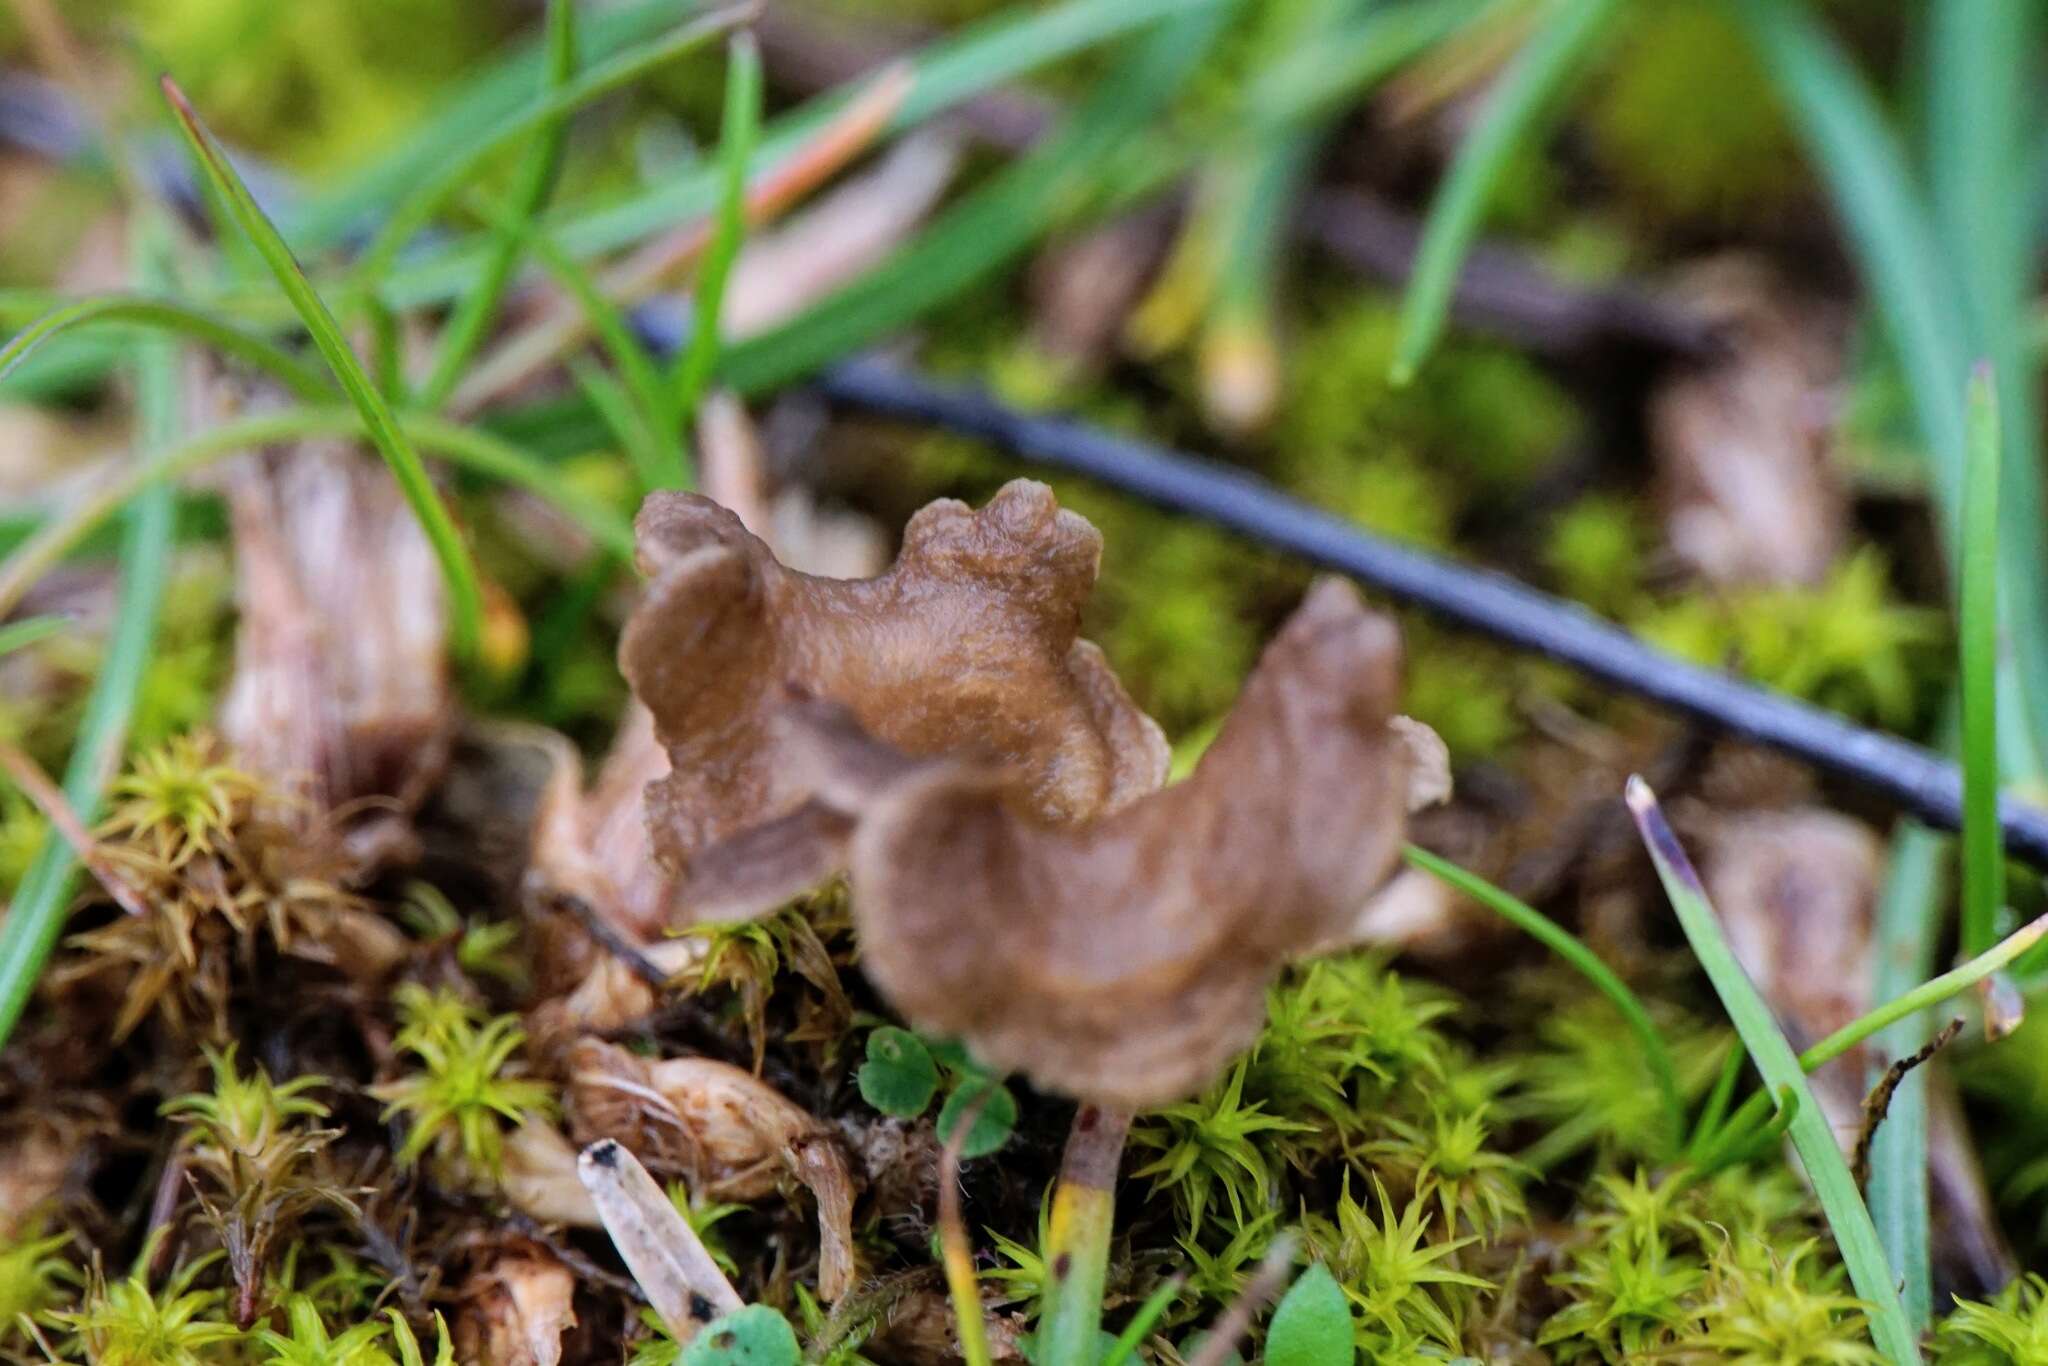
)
(992, 1125)
(899, 1078)
(753, 1336)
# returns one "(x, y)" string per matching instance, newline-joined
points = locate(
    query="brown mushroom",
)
(968, 645)
(1125, 960)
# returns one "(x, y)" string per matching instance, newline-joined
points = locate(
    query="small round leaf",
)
(899, 1078)
(992, 1125)
(753, 1336)
(1312, 1326)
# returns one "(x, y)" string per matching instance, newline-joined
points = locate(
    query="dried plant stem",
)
(1077, 1260)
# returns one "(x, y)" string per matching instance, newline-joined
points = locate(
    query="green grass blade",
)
(35, 919)
(497, 91)
(989, 226)
(171, 316)
(1855, 1235)
(740, 130)
(1146, 1317)
(1983, 115)
(1983, 844)
(1897, 1190)
(624, 419)
(1927, 995)
(1006, 46)
(465, 598)
(1313, 79)
(418, 208)
(19, 635)
(1908, 275)
(1532, 922)
(478, 308)
(465, 448)
(1514, 111)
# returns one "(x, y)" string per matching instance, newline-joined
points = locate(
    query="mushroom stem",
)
(1083, 1208)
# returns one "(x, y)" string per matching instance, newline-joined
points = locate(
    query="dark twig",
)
(1879, 1102)
(1916, 780)
(610, 940)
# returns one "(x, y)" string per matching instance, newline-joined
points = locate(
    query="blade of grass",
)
(472, 110)
(989, 226)
(476, 310)
(657, 263)
(465, 448)
(1514, 111)
(34, 920)
(1147, 1315)
(169, 315)
(19, 635)
(465, 598)
(1917, 297)
(1558, 940)
(1983, 852)
(1002, 48)
(1897, 1190)
(1983, 113)
(636, 367)
(1313, 79)
(1848, 1218)
(740, 129)
(418, 208)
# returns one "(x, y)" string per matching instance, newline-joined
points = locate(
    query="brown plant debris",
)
(727, 1133)
(1125, 960)
(1749, 492)
(341, 689)
(515, 1310)
(968, 645)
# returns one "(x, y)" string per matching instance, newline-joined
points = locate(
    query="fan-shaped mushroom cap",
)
(1125, 960)
(968, 645)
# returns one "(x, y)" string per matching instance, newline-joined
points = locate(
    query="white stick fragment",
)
(681, 1281)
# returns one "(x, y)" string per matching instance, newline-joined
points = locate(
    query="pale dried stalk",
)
(665, 1255)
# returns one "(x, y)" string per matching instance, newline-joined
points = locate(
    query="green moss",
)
(1409, 462)
(2009, 1329)
(1595, 551)
(319, 83)
(1849, 644)
(1686, 121)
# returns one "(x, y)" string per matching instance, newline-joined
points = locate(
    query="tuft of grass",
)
(1784, 1077)
(391, 441)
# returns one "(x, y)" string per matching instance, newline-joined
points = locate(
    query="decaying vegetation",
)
(536, 831)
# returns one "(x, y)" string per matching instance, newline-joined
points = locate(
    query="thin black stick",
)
(1918, 781)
